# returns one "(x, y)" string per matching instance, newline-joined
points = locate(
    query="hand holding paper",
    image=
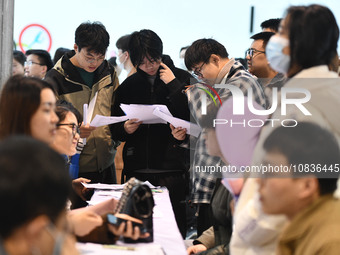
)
(179, 133)
(132, 125)
(85, 131)
(192, 129)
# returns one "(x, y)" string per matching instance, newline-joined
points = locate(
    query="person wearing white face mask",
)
(278, 54)
(123, 58)
(127, 69)
(304, 47)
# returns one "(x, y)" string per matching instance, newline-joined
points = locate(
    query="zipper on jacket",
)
(147, 146)
(148, 128)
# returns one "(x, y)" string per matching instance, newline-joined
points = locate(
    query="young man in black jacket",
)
(151, 152)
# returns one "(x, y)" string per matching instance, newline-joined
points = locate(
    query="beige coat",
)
(315, 230)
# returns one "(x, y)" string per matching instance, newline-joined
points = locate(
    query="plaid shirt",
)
(233, 73)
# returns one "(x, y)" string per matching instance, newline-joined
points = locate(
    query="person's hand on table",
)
(196, 249)
(79, 188)
(129, 232)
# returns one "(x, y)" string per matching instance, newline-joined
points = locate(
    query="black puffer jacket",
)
(152, 146)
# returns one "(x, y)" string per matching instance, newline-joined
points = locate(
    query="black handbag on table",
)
(137, 201)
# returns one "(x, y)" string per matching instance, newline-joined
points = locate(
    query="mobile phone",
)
(119, 218)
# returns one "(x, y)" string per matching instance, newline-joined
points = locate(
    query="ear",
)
(36, 226)
(309, 187)
(44, 70)
(215, 59)
(75, 47)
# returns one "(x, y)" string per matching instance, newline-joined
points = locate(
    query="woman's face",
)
(17, 68)
(284, 32)
(44, 120)
(67, 137)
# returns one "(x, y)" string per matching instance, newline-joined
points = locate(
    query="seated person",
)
(34, 189)
(27, 107)
(304, 195)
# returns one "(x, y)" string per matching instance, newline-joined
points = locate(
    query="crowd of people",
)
(288, 82)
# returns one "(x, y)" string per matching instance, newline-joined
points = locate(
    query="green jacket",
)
(99, 150)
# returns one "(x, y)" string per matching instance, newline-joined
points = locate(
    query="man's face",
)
(89, 61)
(279, 195)
(150, 66)
(257, 63)
(33, 67)
(207, 71)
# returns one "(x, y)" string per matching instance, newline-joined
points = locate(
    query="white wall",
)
(177, 22)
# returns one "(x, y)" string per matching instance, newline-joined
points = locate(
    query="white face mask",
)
(120, 63)
(274, 51)
(182, 64)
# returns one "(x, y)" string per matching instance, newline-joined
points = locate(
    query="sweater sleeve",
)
(207, 238)
(178, 99)
(117, 130)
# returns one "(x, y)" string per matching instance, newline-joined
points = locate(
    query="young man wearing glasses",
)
(258, 64)
(80, 75)
(38, 63)
(210, 62)
(150, 152)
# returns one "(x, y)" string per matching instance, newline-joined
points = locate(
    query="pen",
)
(117, 247)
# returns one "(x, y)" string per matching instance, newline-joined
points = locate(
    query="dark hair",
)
(20, 99)
(123, 43)
(200, 51)
(264, 36)
(183, 48)
(112, 61)
(33, 182)
(19, 56)
(307, 143)
(272, 24)
(92, 36)
(59, 53)
(313, 35)
(63, 107)
(145, 43)
(43, 56)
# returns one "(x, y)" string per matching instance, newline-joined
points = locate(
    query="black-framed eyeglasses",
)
(250, 52)
(29, 63)
(75, 128)
(91, 60)
(197, 71)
